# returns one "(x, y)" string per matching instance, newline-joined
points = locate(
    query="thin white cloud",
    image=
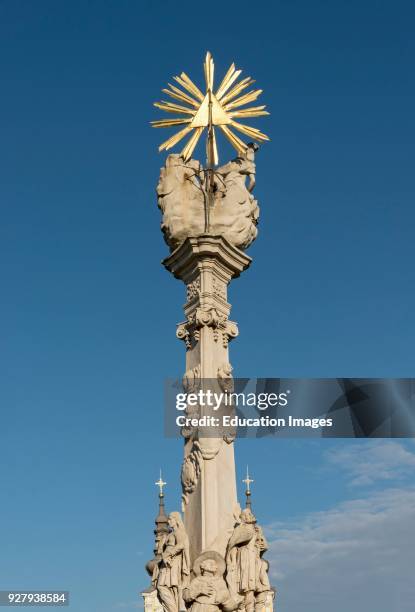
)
(369, 461)
(129, 605)
(357, 556)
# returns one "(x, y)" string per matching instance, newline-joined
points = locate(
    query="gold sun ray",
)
(245, 99)
(249, 131)
(236, 90)
(214, 148)
(175, 92)
(170, 122)
(191, 86)
(230, 82)
(210, 109)
(251, 111)
(173, 140)
(225, 80)
(209, 68)
(235, 141)
(174, 108)
(186, 87)
(193, 140)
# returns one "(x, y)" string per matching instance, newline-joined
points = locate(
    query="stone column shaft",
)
(206, 265)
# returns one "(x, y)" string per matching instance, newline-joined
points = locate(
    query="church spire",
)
(248, 482)
(161, 530)
(162, 526)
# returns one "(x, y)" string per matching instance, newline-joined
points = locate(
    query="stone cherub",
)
(182, 199)
(172, 572)
(208, 591)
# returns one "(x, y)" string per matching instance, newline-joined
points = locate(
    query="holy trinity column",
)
(213, 555)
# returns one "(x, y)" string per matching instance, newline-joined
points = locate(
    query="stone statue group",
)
(233, 210)
(237, 582)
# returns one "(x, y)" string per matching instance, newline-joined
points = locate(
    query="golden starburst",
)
(209, 109)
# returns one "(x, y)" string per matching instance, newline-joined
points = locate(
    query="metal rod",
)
(210, 164)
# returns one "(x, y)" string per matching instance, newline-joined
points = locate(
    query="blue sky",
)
(88, 314)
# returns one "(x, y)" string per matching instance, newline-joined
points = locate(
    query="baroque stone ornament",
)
(193, 289)
(223, 329)
(225, 378)
(191, 379)
(183, 201)
(191, 469)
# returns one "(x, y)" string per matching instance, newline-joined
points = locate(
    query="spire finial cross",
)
(160, 483)
(247, 481)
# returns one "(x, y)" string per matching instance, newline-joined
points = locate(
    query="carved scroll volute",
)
(191, 384)
(191, 469)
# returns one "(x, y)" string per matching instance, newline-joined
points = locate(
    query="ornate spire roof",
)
(248, 482)
(162, 525)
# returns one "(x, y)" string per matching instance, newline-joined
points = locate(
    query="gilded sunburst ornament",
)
(209, 110)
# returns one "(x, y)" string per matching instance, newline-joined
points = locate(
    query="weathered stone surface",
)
(207, 253)
(181, 200)
(187, 210)
(151, 600)
(208, 591)
(171, 573)
(206, 264)
(236, 212)
(246, 570)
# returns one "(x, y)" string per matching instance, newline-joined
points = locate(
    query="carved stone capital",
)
(186, 261)
(189, 331)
